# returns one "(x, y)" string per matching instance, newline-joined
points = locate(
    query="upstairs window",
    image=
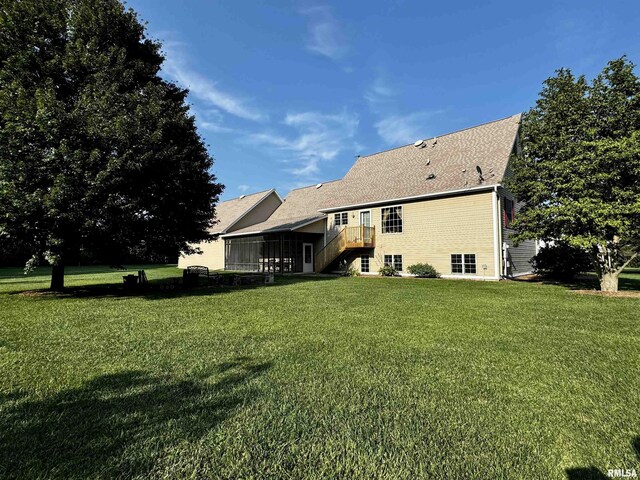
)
(509, 211)
(341, 218)
(391, 219)
(463, 263)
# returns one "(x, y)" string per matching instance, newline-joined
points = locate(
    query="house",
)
(439, 201)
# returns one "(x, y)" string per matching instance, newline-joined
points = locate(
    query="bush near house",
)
(561, 261)
(388, 271)
(423, 270)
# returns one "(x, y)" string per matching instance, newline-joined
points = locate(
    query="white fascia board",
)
(407, 199)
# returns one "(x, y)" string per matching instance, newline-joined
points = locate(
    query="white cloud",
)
(317, 138)
(403, 129)
(206, 90)
(379, 93)
(326, 35)
(211, 120)
(244, 188)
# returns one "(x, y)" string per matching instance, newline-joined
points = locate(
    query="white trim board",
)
(406, 199)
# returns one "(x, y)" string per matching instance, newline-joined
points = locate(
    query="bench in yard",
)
(193, 273)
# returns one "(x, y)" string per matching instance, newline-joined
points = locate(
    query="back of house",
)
(439, 201)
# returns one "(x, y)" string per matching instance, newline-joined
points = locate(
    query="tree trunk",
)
(609, 282)
(57, 278)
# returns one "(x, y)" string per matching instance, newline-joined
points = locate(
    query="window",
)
(341, 218)
(394, 261)
(391, 219)
(469, 263)
(509, 211)
(456, 263)
(463, 263)
(364, 263)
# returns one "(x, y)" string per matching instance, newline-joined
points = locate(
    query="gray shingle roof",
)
(299, 208)
(228, 212)
(403, 172)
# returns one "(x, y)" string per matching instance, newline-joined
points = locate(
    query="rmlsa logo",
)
(622, 473)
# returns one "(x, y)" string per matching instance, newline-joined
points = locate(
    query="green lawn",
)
(317, 378)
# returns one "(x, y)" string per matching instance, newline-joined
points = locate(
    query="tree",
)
(97, 152)
(579, 170)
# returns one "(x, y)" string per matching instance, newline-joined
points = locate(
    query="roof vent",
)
(435, 140)
(242, 196)
(428, 162)
(480, 176)
(431, 176)
(318, 186)
(419, 144)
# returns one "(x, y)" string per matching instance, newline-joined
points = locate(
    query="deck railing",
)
(348, 238)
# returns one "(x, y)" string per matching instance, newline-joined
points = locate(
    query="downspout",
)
(496, 233)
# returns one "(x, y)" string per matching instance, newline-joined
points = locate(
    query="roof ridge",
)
(444, 134)
(248, 195)
(314, 184)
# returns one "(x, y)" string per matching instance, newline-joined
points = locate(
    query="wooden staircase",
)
(349, 238)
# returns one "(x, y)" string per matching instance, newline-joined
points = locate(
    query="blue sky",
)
(287, 93)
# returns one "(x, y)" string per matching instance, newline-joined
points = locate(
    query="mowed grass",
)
(317, 378)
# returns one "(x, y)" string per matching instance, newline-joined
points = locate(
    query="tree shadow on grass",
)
(153, 292)
(589, 282)
(119, 425)
(594, 473)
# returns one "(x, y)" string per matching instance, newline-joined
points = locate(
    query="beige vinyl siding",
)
(212, 256)
(433, 230)
(259, 213)
(315, 227)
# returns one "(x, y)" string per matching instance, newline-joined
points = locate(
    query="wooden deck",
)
(349, 238)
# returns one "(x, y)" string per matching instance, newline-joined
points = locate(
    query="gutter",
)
(405, 199)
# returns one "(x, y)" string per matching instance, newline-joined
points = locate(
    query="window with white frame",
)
(394, 261)
(397, 262)
(463, 263)
(364, 263)
(341, 218)
(391, 219)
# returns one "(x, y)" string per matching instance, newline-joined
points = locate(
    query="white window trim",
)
(369, 257)
(393, 263)
(370, 216)
(463, 263)
(340, 214)
(382, 223)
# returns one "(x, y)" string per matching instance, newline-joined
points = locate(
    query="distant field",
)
(316, 378)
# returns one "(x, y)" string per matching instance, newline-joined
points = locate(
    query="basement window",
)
(394, 261)
(463, 263)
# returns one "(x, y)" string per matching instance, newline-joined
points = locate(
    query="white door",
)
(365, 218)
(307, 257)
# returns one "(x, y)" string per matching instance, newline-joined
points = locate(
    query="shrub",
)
(561, 261)
(351, 272)
(388, 271)
(423, 270)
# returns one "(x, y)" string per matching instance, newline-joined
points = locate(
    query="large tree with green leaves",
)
(98, 153)
(579, 170)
